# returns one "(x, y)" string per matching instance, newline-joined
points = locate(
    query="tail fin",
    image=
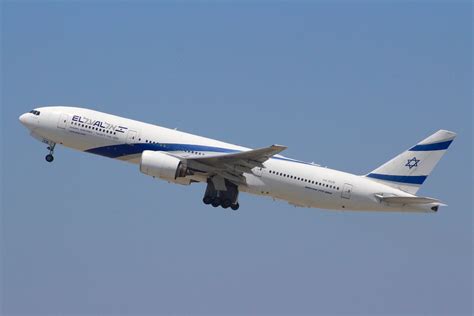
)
(410, 169)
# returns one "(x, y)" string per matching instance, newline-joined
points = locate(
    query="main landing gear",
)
(49, 157)
(225, 199)
(215, 202)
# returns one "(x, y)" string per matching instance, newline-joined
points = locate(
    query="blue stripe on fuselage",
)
(115, 151)
(121, 150)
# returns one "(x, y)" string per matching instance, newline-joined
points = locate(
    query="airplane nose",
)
(28, 120)
(23, 118)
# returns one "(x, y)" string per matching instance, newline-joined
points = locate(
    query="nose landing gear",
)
(49, 157)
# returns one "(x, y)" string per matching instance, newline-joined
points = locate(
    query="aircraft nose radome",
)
(23, 118)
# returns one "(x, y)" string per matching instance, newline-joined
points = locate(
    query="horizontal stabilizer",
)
(406, 199)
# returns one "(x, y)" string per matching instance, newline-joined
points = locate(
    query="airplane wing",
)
(232, 166)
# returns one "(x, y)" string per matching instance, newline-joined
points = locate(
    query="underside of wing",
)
(232, 166)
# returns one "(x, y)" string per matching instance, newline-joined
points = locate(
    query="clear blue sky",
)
(347, 85)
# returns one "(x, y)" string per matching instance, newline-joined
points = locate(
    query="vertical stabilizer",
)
(410, 169)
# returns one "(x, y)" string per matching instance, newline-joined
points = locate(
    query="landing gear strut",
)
(49, 157)
(225, 199)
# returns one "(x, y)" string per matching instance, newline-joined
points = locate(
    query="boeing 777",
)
(227, 169)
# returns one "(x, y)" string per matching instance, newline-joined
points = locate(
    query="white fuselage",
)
(299, 183)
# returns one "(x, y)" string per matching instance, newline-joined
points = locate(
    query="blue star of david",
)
(413, 162)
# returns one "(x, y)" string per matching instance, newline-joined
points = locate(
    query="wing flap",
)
(233, 165)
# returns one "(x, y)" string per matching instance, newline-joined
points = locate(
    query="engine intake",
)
(163, 166)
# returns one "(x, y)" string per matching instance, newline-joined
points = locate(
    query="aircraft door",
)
(132, 137)
(346, 191)
(62, 121)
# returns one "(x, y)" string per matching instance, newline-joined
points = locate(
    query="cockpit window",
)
(34, 112)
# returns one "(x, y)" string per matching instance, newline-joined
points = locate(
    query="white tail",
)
(410, 169)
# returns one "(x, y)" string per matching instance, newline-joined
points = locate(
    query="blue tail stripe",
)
(400, 179)
(434, 146)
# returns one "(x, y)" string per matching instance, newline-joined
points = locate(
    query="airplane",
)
(228, 169)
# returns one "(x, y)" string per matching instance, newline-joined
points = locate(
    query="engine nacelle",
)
(163, 166)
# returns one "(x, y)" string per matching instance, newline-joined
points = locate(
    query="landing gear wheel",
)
(207, 200)
(216, 202)
(49, 157)
(235, 206)
(226, 203)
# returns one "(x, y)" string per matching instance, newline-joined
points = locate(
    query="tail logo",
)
(413, 162)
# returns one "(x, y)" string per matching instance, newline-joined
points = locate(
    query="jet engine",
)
(163, 166)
